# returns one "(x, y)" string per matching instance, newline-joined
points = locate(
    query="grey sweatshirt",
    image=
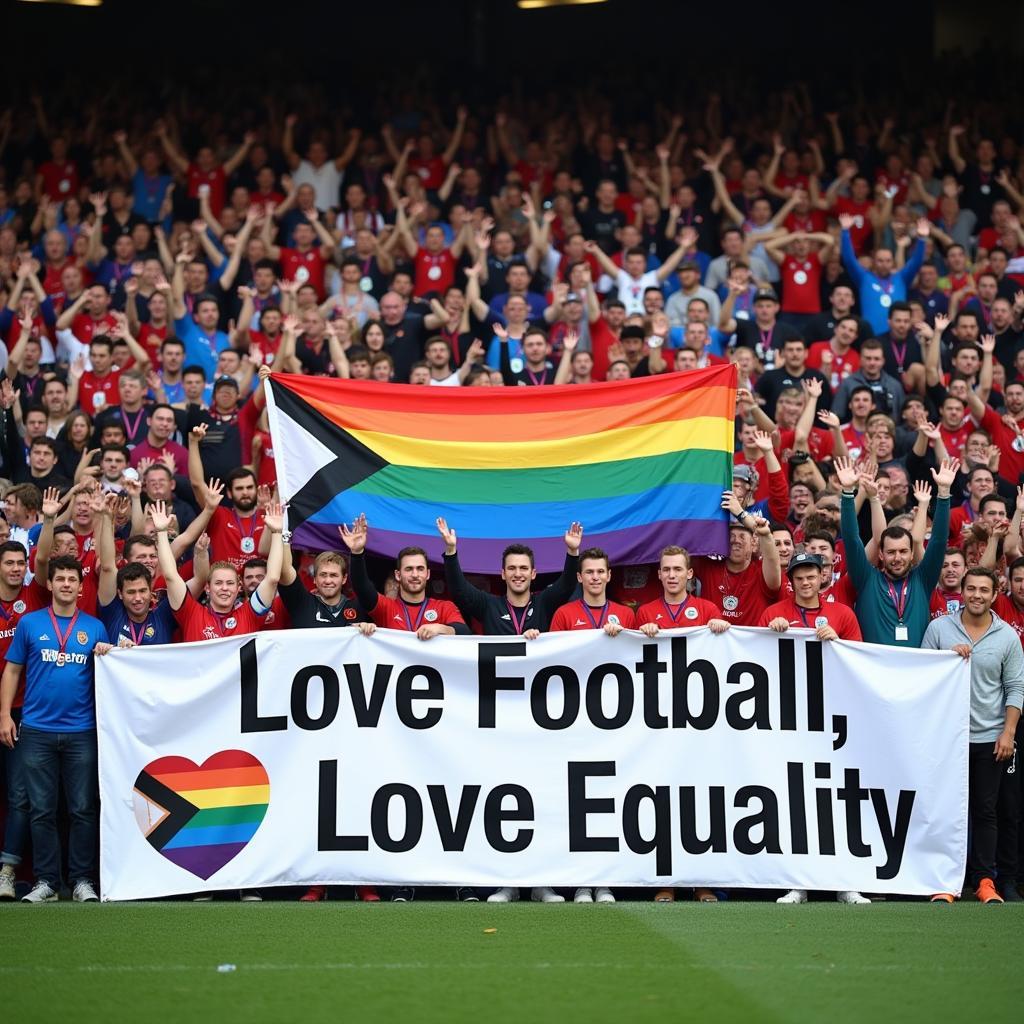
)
(997, 670)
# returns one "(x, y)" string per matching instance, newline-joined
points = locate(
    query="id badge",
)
(901, 633)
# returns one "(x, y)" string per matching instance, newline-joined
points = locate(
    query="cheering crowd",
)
(866, 279)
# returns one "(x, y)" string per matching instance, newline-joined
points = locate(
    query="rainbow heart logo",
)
(200, 816)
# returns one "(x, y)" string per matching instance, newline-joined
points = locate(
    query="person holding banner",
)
(412, 610)
(519, 612)
(594, 610)
(223, 616)
(57, 737)
(997, 693)
(805, 608)
(677, 607)
(894, 602)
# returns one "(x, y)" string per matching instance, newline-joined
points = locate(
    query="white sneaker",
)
(505, 895)
(41, 893)
(7, 882)
(249, 896)
(85, 893)
(602, 894)
(545, 894)
(850, 896)
(583, 896)
(794, 896)
(202, 898)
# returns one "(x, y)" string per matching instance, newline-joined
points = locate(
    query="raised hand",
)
(846, 221)
(574, 538)
(273, 517)
(198, 432)
(922, 492)
(763, 440)
(158, 513)
(846, 473)
(570, 341)
(355, 538)
(869, 485)
(945, 476)
(829, 418)
(812, 386)
(730, 503)
(51, 502)
(448, 536)
(214, 494)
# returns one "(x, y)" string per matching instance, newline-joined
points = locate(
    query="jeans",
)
(49, 759)
(16, 831)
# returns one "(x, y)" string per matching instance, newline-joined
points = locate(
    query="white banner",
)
(741, 760)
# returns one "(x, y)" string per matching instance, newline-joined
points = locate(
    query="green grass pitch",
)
(436, 961)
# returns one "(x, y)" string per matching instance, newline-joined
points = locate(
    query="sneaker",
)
(583, 896)
(366, 894)
(314, 894)
(794, 896)
(404, 895)
(467, 894)
(850, 896)
(1008, 890)
(85, 892)
(986, 892)
(42, 893)
(249, 896)
(505, 895)
(602, 894)
(942, 897)
(7, 882)
(545, 894)
(665, 896)
(703, 895)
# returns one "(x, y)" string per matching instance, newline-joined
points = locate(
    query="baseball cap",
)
(225, 381)
(688, 265)
(742, 472)
(766, 294)
(804, 558)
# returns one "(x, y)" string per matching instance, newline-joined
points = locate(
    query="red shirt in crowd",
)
(741, 596)
(435, 272)
(198, 622)
(95, 393)
(305, 267)
(394, 613)
(839, 616)
(842, 365)
(234, 538)
(801, 284)
(694, 611)
(217, 181)
(579, 615)
(32, 597)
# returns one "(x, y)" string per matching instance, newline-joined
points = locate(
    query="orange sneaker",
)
(704, 896)
(367, 893)
(314, 894)
(942, 897)
(665, 896)
(986, 892)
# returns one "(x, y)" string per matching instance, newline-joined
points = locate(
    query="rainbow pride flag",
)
(640, 463)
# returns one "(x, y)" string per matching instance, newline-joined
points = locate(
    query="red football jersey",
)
(862, 229)
(83, 327)
(842, 365)
(96, 393)
(32, 597)
(1011, 613)
(801, 284)
(394, 613)
(305, 267)
(216, 179)
(945, 602)
(435, 272)
(741, 596)
(60, 181)
(579, 615)
(839, 616)
(198, 622)
(694, 611)
(234, 538)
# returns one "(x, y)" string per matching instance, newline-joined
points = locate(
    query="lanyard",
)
(899, 353)
(5, 613)
(419, 617)
(221, 619)
(600, 619)
(968, 511)
(131, 428)
(517, 622)
(674, 616)
(900, 602)
(252, 525)
(62, 638)
(802, 612)
(538, 379)
(137, 637)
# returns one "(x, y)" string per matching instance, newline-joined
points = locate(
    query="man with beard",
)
(893, 603)
(234, 532)
(519, 612)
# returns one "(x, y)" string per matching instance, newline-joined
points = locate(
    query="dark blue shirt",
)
(158, 628)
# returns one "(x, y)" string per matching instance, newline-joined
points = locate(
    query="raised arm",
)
(176, 589)
(953, 148)
(174, 155)
(771, 565)
(235, 160)
(131, 165)
(456, 140)
(195, 464)
(355, 540)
